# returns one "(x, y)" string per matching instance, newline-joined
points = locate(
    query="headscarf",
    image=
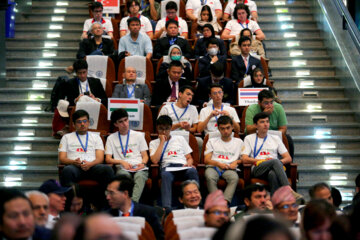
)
(167, 59)
(255, 84)
(214, 23)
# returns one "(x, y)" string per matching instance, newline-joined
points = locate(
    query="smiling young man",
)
(128, 150)
(222, 156)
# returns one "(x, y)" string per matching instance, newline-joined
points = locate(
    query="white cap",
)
(62, 108)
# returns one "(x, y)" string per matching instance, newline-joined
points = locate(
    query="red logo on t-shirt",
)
(80, 150)
(223, 157)
(172, 153)
(264, 153)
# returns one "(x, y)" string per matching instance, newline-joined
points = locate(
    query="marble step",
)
(42, 17)
(30, 62)
(25, 93)
(36, 71)
(296, 52)
(72, 4)
(302, 42)
(338, 128)
(324, 143)
(328, 71)
(24, 104)
(305, 81)
(41, 42)
(24, 186)
(28, 82)
(287, 26)
(327, 160)
(306, 103)
(291, 62)
(52, 10)
(303, 33)
(49, 34)
(46, 26)
(280, 17)
(314, 93)
(293, 4)
(320, 116)
(36, 52)
(17, 117)
(273, 10)
(15, 130)
(29, 144)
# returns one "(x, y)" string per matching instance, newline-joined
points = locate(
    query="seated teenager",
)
(175, 54)
(212, 56)
(206, 17)
(256, 48)
(128, 150)
(193, 7)
(97, 11)
(208, 33)
(222, 157)
(171, 151)
(229, 9)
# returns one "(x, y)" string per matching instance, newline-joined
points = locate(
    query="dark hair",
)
(215, 85)
(164, 120)
(217, 69)
(209, 26)
(315, 213)
(207, 8)
(126, 184)
(132, 19)
(8, 194)
(171, 21)
(357, 181)
(175, 64)
(188, 182)
(253, 188)
(255, 71)
(118, 114)
(78, 114)
(242, 31)
(317, 187)
(171, 5)
(241, 6)
(80, 64)
(96, 5)
(260, 115)
(243, 39)
(212, 41)
(265, 94)
(336, 196)
(182, 89)
(224, 120)
(130, 2)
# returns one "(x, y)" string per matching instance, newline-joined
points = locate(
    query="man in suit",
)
(162, 45)
(82, 85)
(167, 89)
(243, 65)
(118, 194)
(216, 76)
(130, 89)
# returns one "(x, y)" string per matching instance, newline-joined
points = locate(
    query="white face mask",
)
(213, 51)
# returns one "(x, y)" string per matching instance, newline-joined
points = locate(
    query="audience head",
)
(255, 197)
(225, 126)
(206, 14)
(134, 25)
(217, 71)
(175, 53)
(98, 226)
(163, 125)
(133, 7)
(172, 28)
(321, 191)
(261, 121)
(241, 12)
(119, 191)
(16, 216)
(208, 31)
(40, 206)
(212, 47)
(284, 203)
(175, 70)
(130, 75)
(336, 196)
(257, 77)
(317, 218)
(120, 119)
(97, 29)
(186, 94)
(171, 10)
(246, 33)
(97, 10)
(357, 183)
(190, 194)
(245, 45)
(81, 69)
(56, 194)
(65, 227)
(216, 92)
(266, 100)
(81, 121)
(216, 210)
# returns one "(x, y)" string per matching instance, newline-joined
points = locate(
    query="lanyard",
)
(218, 171)
(247, 25)
(87, 140)
(144, 5)
(248, 65)
(130, 93)
(87, 86)
(177, 117)
(203, 2)
(163, 151)
(131, 212)
(172, 40)
(257, 152)
(127, 142)
(222, 106)
(100, 47)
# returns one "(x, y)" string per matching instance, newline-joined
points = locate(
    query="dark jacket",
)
(71, 90)
(150, 215)
(162, 90)
(200, 47)
(238, 68)
(162, 46)
(141, 91)
(87, 46)
(188, 74)
(204, 64)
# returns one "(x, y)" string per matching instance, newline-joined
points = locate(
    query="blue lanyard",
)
(132, 209)
(172, 40)
(177, 117)
(87, 86)
(257, 152)
(218, 171)
(87, 140)
(130, 93)
(143, 5)
(100, 47)
(222, 106)
(163, 151)
(127, 142)
(247, 25)
(203, 2)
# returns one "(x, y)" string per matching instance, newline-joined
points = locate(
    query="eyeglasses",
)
(111, 193)
(216, 93)
(218, 213)
(287, 206)
(268, 103)
(81, 121)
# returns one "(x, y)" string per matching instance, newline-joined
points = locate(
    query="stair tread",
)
(326, 137)
(26, 125)
(28, 168)
(336, 124)
(29, 139)
(29, 153)
(322, 152)
(345, 167)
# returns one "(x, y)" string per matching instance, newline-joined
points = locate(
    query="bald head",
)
(101, 226)
(130, 75)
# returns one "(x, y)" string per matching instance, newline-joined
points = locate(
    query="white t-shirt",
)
(212, 124)
(229, 9)
(144, 22)
(175, 151)
(136, 145)
(71, 145)
(106, 23)
(196, 6)
(224, 152)
(183, 27)
(272, 146)
(235, 27)
(190, 116)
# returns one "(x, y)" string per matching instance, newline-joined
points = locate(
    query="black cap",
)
(53, 186)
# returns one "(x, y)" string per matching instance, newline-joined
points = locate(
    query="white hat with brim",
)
(62, 108)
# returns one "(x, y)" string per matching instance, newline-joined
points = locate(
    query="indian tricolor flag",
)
(248, 96)
(130, 105)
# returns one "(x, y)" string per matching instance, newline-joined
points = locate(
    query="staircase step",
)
(24, 105)
(12, 130)
(340, 128)
(66, 27)
(42, 17)
(289, 52)
(302, 43)
(305, 116)
(25, 93)
(36, 71)
(294, 18)
(40, 42)
(37, 143)
(71, 4)
(21, 116)
(304, 103)
(36, 52)
(29, 62)
(23, 186)
(303, 61)
(323, 92)
(46, 34)
(327, 167)
(27, 82)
